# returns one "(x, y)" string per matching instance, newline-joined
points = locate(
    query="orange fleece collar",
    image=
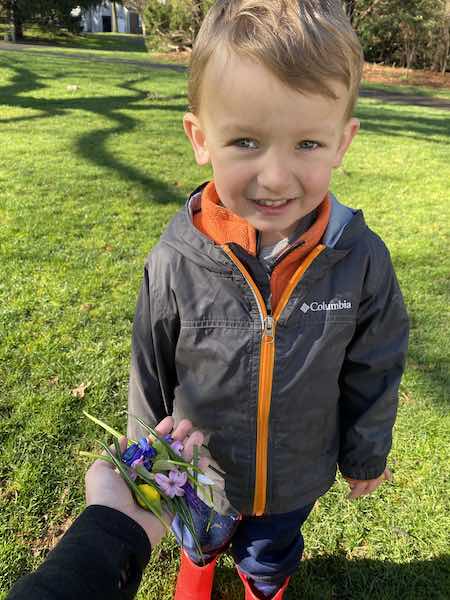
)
(224, 227)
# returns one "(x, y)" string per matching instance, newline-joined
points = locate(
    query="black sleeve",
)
(371, 375)
(155, 333)
(101, 556)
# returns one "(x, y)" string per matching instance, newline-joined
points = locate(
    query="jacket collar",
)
(222, 226)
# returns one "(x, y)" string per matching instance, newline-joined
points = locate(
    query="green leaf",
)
(104, 425)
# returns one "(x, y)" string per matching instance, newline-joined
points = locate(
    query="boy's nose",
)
(275, 177)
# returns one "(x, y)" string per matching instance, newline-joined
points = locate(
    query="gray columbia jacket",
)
(285, 397)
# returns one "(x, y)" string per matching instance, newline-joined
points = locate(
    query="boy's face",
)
(272, 149)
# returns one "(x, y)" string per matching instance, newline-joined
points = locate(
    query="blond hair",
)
(306, 44)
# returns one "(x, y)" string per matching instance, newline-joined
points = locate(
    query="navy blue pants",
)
(266, 549)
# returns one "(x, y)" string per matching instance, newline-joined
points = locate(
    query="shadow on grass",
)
(393, 123)
(109, 42)
(416, 98)
(338, 578)
(93, 145)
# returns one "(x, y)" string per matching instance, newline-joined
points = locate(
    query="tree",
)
(349, 7)
(402, 32)
(198, 13)
(138, 6)
(114, 27)
(442, 51)
(47, 13)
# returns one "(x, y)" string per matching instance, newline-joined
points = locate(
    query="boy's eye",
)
(245, 143)
(309, 145)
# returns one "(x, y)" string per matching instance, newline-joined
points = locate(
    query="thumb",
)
(388, 474)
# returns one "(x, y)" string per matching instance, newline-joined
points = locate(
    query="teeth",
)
(271, 202)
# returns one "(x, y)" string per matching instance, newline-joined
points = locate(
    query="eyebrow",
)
(236, 129)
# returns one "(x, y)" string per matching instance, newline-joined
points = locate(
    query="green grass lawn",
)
(89, 177)
(117, 45)
(103, 42)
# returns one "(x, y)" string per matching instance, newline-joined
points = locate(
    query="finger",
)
(196, 439)
(96, 468)
(388, 474)
(181, 430)
(203, 463)
(357, 490)
(164, 427)
(369, 487)
(372, 485)
(350, 481)
(123, 443)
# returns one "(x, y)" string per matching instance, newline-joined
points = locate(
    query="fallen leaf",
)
(79, 391)
(86, 307)
(54, 380)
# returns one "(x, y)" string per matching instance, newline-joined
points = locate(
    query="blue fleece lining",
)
(340, 217)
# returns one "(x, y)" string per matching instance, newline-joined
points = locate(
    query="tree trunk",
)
(113, 17)
(17, 29)
(350, 6)
(141, 17)
(446, 53)
(440, 59)
(197, 16)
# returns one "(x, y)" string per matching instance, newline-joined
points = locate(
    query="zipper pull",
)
(269, 325)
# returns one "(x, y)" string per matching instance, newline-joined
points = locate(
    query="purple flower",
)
(177, 447)
(139, 454)
(138, 462)
(171, 485)
(131, 454)
(147, 448)
(148, 464)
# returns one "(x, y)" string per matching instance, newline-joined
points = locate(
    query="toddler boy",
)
(269, 314)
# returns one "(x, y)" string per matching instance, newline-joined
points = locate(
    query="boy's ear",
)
(351, 128)
(194, 131)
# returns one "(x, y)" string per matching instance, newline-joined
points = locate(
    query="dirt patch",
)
(395, 76)
(180, 58)
(52, 537)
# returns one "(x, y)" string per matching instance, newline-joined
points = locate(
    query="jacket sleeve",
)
(371, 374)
(155, 333)
(101, 557)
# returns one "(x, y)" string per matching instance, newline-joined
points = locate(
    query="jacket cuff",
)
(363, 473)
(101, 556)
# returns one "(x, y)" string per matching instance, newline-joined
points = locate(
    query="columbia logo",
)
(318, 306)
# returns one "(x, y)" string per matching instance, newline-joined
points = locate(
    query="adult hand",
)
(364, 487)
(105, 486)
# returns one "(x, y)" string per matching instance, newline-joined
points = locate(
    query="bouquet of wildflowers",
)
(164, 482)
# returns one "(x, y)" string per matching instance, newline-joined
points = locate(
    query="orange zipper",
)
(266, 364)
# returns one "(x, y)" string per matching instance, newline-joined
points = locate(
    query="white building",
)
(99, 19)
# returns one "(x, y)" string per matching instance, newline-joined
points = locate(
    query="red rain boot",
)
(251, 595)
(194, 582)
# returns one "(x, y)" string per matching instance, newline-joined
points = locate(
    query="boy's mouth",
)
(271, 203)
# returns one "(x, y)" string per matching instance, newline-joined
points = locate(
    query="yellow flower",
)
(151, 495)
